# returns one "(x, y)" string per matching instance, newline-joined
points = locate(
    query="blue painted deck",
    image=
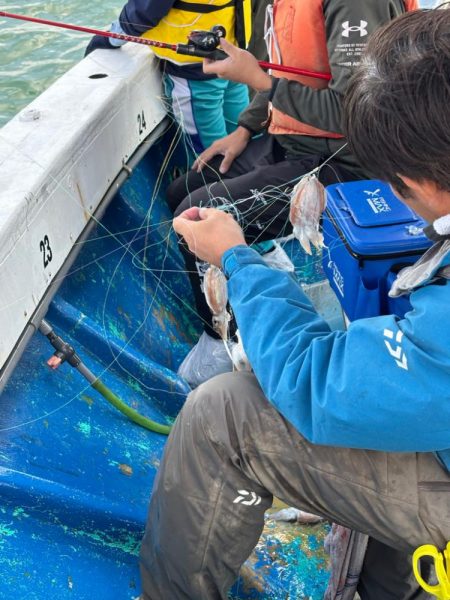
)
(76, 475)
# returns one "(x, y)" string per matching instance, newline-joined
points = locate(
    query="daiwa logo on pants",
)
(247, 498)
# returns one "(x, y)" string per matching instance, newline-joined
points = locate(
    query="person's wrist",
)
(243, 132)
(263, 82)
(251, 131)
(225, 249)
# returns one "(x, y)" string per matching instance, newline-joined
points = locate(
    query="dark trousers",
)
(230, 444)
(256, 190)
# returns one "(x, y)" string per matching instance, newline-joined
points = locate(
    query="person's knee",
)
(234, 394)
(209, 394)
(180, 198)
(227, 386)
(204, 412)
(176, 193)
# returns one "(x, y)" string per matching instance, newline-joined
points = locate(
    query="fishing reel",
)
(204, 44)
(207, 40)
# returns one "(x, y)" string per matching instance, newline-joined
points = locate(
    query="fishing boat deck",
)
(75, 474)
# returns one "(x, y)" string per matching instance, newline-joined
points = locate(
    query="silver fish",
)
(216, 294)
(308, 202)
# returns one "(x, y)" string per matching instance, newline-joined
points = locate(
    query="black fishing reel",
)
(204, 44)
(207, 41)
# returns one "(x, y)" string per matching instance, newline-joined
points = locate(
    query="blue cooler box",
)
(369, 236)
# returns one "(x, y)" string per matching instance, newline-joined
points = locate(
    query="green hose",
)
(66, 352)
(128, 411)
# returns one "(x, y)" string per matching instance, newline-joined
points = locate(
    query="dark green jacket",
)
(346, 40)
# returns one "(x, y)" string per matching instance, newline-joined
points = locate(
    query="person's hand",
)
(240, 66)
(229, 147)
(99, 42)
(208, 232)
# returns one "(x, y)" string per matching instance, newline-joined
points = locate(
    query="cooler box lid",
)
(373, 221)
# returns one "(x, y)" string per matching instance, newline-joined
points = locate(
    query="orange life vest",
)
(299, 40)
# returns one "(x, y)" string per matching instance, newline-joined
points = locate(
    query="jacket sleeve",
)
(380, 385)
(138, 16)
(348, 25)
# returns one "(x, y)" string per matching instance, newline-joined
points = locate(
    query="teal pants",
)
(208, 109)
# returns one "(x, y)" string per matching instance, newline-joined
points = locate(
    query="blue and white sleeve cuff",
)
(239, 256)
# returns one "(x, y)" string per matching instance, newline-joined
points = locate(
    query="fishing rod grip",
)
(193, 51)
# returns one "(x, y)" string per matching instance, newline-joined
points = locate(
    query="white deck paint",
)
(54, 170)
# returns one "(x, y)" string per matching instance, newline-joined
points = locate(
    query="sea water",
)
(33, 56)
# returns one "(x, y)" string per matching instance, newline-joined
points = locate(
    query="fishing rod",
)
(203, 44)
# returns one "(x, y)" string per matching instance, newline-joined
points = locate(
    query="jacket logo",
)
(247, 498)
(396, 352)
(361, 28)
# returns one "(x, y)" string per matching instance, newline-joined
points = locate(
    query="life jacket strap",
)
(239, 26)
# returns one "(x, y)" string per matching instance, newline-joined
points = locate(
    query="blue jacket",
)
(384, 384)
(138, 16)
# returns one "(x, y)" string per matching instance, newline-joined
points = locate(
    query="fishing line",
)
(264, 192)
(70, 195)
(135, 259)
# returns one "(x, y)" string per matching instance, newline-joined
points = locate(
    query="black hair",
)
(397, 106)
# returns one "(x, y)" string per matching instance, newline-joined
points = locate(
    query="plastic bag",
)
(205, 360)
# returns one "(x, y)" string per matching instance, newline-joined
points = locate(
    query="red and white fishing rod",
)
(189, 49)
